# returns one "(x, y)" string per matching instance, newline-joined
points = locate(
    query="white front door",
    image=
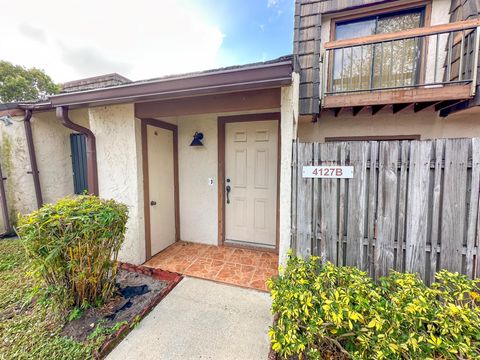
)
(161, 186)
(251, 155)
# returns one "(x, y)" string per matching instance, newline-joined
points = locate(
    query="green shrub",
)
(73, 246)
(326, 312)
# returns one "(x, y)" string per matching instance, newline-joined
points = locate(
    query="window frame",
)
(358, 15)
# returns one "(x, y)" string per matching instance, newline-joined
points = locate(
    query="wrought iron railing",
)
(434, 56)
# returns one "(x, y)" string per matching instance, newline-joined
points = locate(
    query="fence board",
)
(329, 225)
(436, 198)
(417, 207)
(372, 205)
(402, 205)
(473, 207)
(342, 208)
(355, 254)
(316, 205)
(387, 204)
(411, 206)
(454, 206)
(293, 236)
(304, 202)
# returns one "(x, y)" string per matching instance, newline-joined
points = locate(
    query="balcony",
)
(421, 67)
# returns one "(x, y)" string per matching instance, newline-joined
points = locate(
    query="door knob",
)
(153, 203)
(228, 188)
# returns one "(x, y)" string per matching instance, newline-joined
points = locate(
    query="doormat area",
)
(140, 289)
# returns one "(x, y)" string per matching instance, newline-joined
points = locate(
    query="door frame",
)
(221, 122)
(146, 189)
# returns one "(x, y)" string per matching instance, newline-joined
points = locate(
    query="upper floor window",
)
(378, 65)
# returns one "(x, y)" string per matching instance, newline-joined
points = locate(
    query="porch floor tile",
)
(242, 267)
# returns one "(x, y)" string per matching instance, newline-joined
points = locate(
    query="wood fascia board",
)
(263, 76)
(398, 96)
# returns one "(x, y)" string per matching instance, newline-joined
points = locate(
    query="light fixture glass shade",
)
(197, 139)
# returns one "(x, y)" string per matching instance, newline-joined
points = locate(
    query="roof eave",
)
(242, 79)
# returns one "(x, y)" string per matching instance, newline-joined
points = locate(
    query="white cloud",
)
(272, 3)
(141, 39)
(32, 33)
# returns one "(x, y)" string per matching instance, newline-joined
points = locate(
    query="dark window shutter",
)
(79, 162)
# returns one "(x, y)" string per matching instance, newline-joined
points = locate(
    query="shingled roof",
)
(95, 82)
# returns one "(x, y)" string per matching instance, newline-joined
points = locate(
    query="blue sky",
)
(143, 38)
(255, 30)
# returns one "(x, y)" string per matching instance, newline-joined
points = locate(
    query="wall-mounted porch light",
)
(197, 139)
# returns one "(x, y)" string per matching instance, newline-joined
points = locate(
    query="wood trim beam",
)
(373, 138)
(396, 108)
(377, 108)
(423, 105)
(356, 110)
(446, 104)
(405, 34)
(462, 105)
(217, 103)
(452, 92)
(367, 10)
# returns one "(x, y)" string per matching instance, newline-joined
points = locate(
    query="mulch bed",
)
(140, 289)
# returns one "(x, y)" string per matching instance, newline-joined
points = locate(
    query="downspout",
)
(3, 204)
(33, 157)
(92, 177)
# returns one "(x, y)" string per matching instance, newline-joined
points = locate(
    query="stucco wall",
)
(52, 146)
(288, 126)
(15, 165)
(425, 123)
(118, 136)
(198, 200)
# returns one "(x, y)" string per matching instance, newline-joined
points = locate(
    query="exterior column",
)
(288, 125)
(120, 177)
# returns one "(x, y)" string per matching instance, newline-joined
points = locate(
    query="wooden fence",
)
(411, 206)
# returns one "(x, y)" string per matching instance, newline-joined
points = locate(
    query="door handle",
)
(153, 203)
(228, 188)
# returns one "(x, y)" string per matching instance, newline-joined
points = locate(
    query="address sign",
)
(328, 172)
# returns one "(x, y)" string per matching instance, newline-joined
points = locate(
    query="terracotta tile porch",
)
(242, 267)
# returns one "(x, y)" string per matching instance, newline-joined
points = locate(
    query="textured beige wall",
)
(15, 165)
(120, 176)
(196, 164)
(289, 119)
(425, 123)
(52, 146)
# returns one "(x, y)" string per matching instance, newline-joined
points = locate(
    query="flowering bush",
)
(326, 312)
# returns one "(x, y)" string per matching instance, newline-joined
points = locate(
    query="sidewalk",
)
(202, 319)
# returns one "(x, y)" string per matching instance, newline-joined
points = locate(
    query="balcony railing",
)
(428, 57)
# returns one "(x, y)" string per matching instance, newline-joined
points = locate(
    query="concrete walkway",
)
(202, 319)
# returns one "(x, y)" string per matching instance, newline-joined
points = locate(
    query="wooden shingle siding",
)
(461, 10)
(306, 49)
